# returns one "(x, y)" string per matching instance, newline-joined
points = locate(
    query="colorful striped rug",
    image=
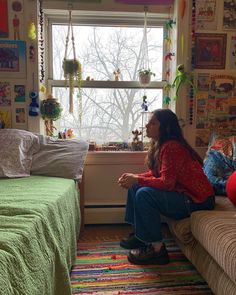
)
(103, 268)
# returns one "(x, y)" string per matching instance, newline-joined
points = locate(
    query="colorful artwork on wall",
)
(19, 91)
(5, 118)
(4, 19)
(12, 59)
(206, 15)
(5, 94)
(215, 105)
(232, 62)
(229, 15)
(20, 116)
(210, 51)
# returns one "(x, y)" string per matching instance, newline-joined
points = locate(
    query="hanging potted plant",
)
(72, 71)
(50, 110)
(72, 67)
(145, 76)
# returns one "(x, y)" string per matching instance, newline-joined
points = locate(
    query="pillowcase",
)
(60, 158)
(16, 152)
(224, 143)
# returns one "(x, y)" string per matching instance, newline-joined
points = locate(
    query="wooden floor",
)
(113, 232)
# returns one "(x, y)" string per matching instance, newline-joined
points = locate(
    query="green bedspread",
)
(39, 225)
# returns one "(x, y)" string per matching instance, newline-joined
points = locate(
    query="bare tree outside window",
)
(108, 114)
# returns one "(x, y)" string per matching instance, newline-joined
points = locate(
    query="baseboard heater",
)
(104, 214)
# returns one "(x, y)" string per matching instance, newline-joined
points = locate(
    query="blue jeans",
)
(145, 205)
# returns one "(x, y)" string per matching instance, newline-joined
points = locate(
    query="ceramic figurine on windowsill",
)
(117, 75)
(137, 144)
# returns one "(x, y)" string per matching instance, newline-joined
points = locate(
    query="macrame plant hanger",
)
(144, 64)
(144, 44)
(71, 67)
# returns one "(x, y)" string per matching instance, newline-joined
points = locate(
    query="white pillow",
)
(16, 151)
(60, 158)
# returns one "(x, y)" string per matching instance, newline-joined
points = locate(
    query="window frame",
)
(134, 19)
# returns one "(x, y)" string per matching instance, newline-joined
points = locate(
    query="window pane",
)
(102, 50)
(107, 114)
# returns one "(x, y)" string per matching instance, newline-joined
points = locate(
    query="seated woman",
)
(219, 164)
(175, 186)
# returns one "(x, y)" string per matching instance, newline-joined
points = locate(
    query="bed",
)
(39, 223)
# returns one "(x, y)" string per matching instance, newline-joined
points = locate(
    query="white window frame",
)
(100, 18)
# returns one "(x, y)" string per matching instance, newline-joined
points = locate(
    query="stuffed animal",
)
(180, 79)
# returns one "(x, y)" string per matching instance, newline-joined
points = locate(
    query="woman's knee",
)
(142, 195)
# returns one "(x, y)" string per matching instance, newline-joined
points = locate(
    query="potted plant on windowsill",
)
(145, 76)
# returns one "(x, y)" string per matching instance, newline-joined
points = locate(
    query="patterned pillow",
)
(224, 143)
(16, 152)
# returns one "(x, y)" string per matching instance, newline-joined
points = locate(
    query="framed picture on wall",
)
(12, 59)
(210, 51)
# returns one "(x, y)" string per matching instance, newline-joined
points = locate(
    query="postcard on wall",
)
(202, 138)
(5, 118)
(20, 116)
(19, 91)
(232, 63)
(206, 14)
(4, 32)
(203, 81)
(229, 15)
(13, 59)
(223, 85)
(5, 94)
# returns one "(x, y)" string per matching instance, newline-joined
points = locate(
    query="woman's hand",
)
(127, 180)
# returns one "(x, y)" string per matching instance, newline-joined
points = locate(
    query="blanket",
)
(39, 225)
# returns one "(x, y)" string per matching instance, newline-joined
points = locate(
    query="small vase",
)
(144, 79)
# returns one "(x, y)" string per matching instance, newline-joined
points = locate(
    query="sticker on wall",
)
(4, 19)
(17, 6)
(12, 59)
(232, 62)
(16, 27)
(5, 118)
(19, 91)
(20, 116)
(5, 94)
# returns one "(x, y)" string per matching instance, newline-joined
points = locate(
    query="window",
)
(110, 109)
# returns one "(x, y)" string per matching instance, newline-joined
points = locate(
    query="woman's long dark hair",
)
(169, 129)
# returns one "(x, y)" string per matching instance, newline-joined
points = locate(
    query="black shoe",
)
(147, 255)
(131, 242)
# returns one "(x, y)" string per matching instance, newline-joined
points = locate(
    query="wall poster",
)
(215, 106)
(12, 59)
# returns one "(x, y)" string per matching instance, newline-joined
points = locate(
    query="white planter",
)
(144, 79)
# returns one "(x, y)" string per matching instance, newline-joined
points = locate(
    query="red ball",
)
(231, 188)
